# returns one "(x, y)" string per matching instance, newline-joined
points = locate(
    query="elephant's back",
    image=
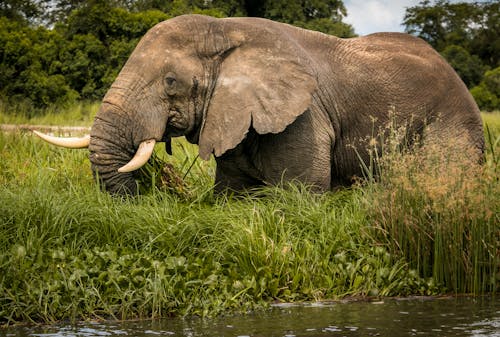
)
(393, 47)
(400, 66)
(404, 74)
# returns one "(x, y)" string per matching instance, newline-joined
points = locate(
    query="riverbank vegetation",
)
(70, 251)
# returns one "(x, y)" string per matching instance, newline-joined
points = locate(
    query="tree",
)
(486, 40)
(108, 23)
(31, 65)
(469, 67)
(23, 10)
(100, 39)
(226, 8)
(77, 59)
(487, 93)
(321, 15)
(473, 26)
(61, 9)
(57, 51)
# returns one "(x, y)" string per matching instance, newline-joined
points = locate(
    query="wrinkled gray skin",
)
(274, 102)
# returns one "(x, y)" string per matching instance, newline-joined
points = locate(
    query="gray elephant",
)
(273, 102)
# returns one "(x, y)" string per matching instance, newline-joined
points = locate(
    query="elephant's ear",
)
(264, 85)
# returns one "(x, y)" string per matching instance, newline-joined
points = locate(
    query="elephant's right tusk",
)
(69, 142)
(142, 155)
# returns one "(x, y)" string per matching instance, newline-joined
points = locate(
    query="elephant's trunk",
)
(111, 148)
(127, 118)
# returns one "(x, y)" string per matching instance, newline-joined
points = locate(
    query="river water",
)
(463, 316)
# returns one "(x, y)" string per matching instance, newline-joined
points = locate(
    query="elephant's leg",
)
(302, 152)
(235, 172)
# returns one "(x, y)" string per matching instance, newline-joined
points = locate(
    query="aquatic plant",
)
(70, 251)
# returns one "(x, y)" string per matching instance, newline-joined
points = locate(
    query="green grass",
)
(70, 251)
(80, 114)
(492, 120)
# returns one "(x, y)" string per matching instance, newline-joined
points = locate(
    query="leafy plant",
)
(71, 251)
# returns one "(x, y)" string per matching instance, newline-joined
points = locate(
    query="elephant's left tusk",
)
(141, 157)
(69, 142)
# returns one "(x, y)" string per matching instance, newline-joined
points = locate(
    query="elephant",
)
(273, 103)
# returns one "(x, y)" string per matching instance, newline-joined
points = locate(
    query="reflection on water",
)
(409, 317)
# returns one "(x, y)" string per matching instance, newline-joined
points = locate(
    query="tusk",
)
(142, 155)
(69, 142)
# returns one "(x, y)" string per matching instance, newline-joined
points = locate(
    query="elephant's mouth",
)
(168, 143)
(192, 137)
(180, 124)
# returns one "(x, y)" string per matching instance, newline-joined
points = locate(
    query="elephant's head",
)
(207, 79)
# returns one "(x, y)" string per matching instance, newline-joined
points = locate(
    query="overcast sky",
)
(370, 16)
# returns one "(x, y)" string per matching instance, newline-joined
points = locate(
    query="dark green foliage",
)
(31, 65)
(328, 26)
(216, 8)
(487, 93)
(323, 16)
(78, 59)
(89, 41)
(23, 10)
(474, 26)
(469, 67)
(109, 23)
(298, 11)
(100, 39)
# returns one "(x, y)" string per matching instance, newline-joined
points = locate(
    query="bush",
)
(487, 93)
(328, 26)
(484, 98)
(31, 66)
(469, 67)
(78, 59)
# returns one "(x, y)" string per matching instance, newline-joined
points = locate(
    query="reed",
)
(441, 211)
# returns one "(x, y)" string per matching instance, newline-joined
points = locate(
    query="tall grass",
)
(81, 114)
(441, 211)
(443, 218)
(70, 251)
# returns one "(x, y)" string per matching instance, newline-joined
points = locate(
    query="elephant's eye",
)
(170, 84)
(170, 81)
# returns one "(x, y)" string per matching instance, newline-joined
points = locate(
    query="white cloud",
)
(370, 16)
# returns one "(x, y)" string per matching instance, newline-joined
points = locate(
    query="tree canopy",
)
(58, 51)
(474, 26)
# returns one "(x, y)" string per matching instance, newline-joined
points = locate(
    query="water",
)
(478, 316)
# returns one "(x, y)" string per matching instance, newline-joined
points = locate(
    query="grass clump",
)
(440, 210)
(444, 222)
(70, 251)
